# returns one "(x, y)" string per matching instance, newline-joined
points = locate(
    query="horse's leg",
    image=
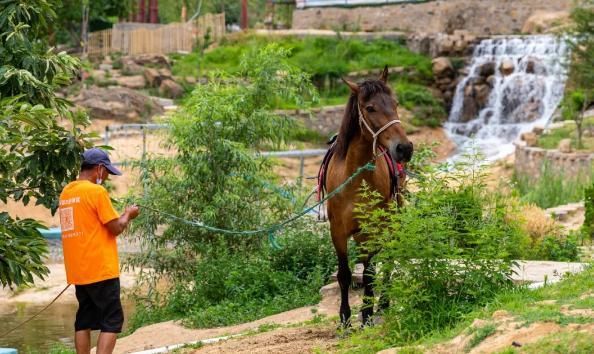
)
(344, 274)
(368, 296)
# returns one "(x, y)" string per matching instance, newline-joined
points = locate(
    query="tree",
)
(581, 70)
(41, 138)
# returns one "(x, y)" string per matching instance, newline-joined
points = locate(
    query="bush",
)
(450, 249)
(216, 278)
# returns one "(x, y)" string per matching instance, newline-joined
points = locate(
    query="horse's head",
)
(378, 116)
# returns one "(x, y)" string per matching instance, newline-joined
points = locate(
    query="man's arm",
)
(117, 226)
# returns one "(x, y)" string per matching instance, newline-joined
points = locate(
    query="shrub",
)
(449, 249)
(553, 188)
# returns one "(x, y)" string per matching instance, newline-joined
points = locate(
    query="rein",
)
(374, 135)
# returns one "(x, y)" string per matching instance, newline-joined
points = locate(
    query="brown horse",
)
(370, 125)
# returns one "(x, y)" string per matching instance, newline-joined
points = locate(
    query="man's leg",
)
(106, 342)
(82, 341)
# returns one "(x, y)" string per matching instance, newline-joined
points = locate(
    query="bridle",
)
(376, 134)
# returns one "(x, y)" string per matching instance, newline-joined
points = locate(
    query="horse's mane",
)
(350, 121)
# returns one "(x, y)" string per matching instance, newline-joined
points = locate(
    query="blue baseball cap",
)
(96, 156)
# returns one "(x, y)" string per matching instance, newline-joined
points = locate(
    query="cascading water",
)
(512, 85)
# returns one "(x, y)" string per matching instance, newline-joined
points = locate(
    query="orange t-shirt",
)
(90, 250)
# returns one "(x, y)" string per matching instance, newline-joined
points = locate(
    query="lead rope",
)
(35, 315)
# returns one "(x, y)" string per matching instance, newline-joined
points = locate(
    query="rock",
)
(171, 89)
(152, 77)
(538, 130)
(190, 80)
(482, 93)
(156, 60)
(105, 67)
(565, 146)
(117, 103)
(130, 67)
(507, 67)
(487, 69)
(442, 67)
(544, 21)
(165, 73)
(134, 82)
(491, 80)
(530, 65)
(531, 139)
(98, 74)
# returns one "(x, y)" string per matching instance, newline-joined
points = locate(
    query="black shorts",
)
(99, 307)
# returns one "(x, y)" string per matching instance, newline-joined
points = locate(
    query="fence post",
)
(301, 167)
(106, 136)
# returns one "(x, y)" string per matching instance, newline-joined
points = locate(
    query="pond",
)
(56, 324)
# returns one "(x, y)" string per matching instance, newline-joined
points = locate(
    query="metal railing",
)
(125, 129)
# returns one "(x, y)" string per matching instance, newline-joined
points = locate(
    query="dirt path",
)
(172, 332)
(302, 339)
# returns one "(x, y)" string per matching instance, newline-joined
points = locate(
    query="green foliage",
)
(561, 249)
(426, 109)
(323, 58)
(588, 226)
(449, 250)
(102, 14)
(40, 155)
(327, 60)
(552, 188)
(216, 177)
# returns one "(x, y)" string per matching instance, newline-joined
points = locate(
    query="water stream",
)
(524, 78)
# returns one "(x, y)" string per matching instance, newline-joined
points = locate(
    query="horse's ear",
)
(384, 75)
(353, 86)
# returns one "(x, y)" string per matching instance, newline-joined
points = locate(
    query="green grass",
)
(552, 188)
(572, 342)
(519, 303)
(320, 57)
(551, 139)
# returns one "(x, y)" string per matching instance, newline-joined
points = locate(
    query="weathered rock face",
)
(134, 82)
(459, 43)
(117, 103)
(545, 21)
(481, 17)
(171, 89)
(445, 78)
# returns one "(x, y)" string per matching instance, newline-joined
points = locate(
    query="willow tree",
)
(40, 137)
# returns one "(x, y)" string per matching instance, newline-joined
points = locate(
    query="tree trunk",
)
(141, 15)
(84, 34)
(244, 15)
(154, 11)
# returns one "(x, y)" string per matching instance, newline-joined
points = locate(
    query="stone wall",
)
(529, 161)
(481, 17)
(325, 120)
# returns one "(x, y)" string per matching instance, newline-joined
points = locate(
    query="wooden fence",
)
(141, 38)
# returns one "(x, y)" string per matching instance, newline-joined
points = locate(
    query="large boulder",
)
(507, 67)
(135, 82)
(117, 103)
(171, 89)
(442, 67)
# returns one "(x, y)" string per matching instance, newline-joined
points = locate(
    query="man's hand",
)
(117, 226)
(132, 211)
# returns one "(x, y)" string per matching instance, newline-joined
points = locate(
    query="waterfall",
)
(513, 84)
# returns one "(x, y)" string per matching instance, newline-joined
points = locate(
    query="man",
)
(90, 225)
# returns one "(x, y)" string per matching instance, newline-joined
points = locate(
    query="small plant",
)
(480, 334)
